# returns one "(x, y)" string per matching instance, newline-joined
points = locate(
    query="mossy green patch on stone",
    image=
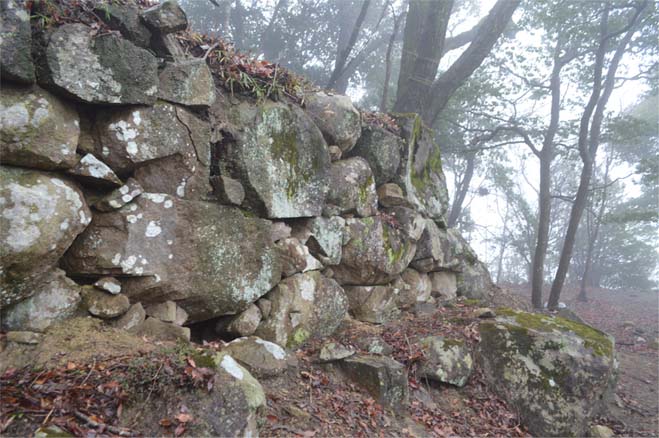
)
(393, 255)
(299, 336)
(471, 302)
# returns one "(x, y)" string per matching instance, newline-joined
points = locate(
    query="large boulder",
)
(128, 138)
(323, 236)
(375, 252)
(338, 120)
(210, 259)
(261, 358)
(381, 149)
(37, 129)
(413, 287)
(126, 19)
(41, 216)
(374, 304)
(444, 284)
(384, 378)
(166, 17)
(446, 360)
(105, 69)
(56, 298)
(188, 83)
(303, 306)
(351, 189)
(420, 172)
(277, 153)
(474, 281)
(555, 372)
(15, 42)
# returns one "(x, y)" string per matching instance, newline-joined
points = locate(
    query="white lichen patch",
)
(231, 366)
(275, 350)
(152, 229)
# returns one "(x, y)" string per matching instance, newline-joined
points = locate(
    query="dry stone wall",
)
(136, 189)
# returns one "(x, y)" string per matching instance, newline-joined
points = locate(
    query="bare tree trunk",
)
(589, 140)
(502, 249)
(387, 71)
(266, 44)
(461, 191)
(344, 53)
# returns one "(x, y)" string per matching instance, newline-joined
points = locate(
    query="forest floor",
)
(633, 319)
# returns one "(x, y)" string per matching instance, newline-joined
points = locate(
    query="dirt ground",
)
(633, 319)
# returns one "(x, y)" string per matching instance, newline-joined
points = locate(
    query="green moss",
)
(450, 343)
(393, 255)
(471, 302)
(365, 189)
(597, 341)
(299, 336)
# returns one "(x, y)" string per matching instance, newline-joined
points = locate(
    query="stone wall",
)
(136, 189)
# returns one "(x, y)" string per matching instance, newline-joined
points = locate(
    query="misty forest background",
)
(547, 113)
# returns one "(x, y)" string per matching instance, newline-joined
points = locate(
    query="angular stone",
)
(55, 299)
(133, 318)
(261, 358)
(391, 195)
(351, 189)
(474, 281)
(375, 304)
(162, 331)
(384, 378)
(323, 236)
(304, 306)
(374, 254)
(280, 231)
(243, 324)
(414, 287)
(168, 47)
(265, 306)
(210, 259)
(331, 352)
(131, 137)
(125, 18)
(181, 316)
(295, 257)
(104, 69)
(119, 197)
(228, 190)
(431, 243)
(382, 150)
(335, 153)
(374, 345)
(41, 216)
(109, 284)
(407, 220)
(166, 17)
(444, 284)
(277, 153)
(337, 119)
(24, 337)
(556, 373)
(446, 360)
(600, 431)
(420, 172)
(16, 43)
(187, 83)
(166, 312)
(90, 170)
(37, 129)
(104, 305)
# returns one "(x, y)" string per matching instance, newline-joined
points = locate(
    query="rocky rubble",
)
(136, 191)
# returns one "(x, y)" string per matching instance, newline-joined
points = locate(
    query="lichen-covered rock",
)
(166, 311)
(420, 172)
(295, 257)
(338, 120)
(391, 195)
(132, 137)
(228, 190)
(119, 197)
(24, 337)
(92, 171)
(407, 220)
(262, 358)
(431, 243)
(132, 318)
(277, 153)
(413, 287)
(375, 253)
(351, 189)
(102, 304)
(15, 43)
(474, 281)
(187, 83)
(556, 373)
(382, 149)
(37, 129)
(331, 352)
(166, 17)
(210, 259)
(384, 378)
(374, 345)
(444, 284)
(375, 304)
(41, 215)
(105, 69)
(323, 236)
(446, 360)
(108, 284)
(304, 306)
(56, 298)
(126, 19)
(162, 331)
(243, 324)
